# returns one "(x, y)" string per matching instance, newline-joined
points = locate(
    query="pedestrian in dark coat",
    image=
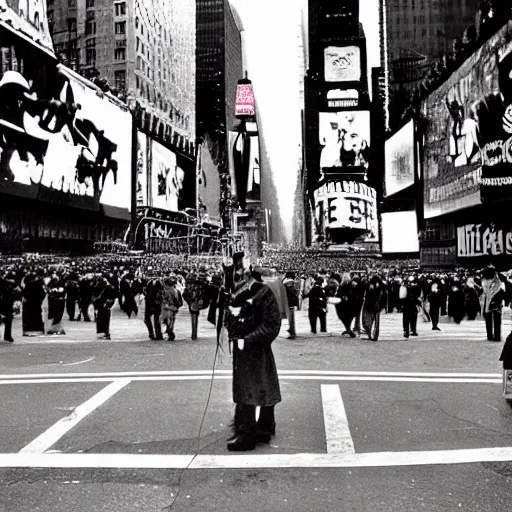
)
(32, 313)
(317, 309)
(104, 296)
(456, 301)
(56, 304)
(196, 295)
(345, 308)
(435, 298)
(128, 288)
(411, 302)
(373, 302)
(9, 294)
(357, 299)
(472, 298)
(493, 297)
(293, 302)
(72, 294)
(85, 285)
(154, 300)
(253, 322)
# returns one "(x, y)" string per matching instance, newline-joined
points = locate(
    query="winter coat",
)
(255, 380)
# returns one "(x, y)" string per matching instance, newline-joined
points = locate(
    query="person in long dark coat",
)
(345, 308)
(9, 294)
(196, 295)
(72, 294)
(317, 308)
(435, 298)
(253, 322)
(372, 305)
(410, 304)
(128, 289)
(357, 294)
(32, 313)
(56, 304)
(154, 299)
(472, 298)
(456, 301)
(104, 296)
(85, 285)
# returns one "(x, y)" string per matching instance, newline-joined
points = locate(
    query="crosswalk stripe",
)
(337, 431)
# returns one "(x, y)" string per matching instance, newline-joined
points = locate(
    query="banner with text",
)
(474, 240)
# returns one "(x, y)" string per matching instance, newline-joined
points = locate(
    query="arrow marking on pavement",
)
(337, 432)
(48, 438)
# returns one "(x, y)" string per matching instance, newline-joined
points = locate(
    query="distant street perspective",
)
(255, 255)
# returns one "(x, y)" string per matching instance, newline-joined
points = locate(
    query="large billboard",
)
(208, 181)
(400, 232)
(72, 148)
(28, 17)
(142, 169)
(346, 205)
(166, 178)
(399, 160)
(468, 156)
(342, 63)
(475, 240)
(345, 139)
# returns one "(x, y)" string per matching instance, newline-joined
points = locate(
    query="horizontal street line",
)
(48, 438)
(255, 461)
(327, 378)
(208, 373)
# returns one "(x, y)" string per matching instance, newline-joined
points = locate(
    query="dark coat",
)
(255, 380)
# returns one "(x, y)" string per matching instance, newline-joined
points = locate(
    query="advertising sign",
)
(342, 64)
(474, 240)
(254, 178)
(245, 103)
(142, 169)
(468, 157)
(400, 232)
(399, 165)
(347, 204)
(166, 178)
(208, 182)
(28, 17)
(345, 137)
(346, 98)
(72, 148)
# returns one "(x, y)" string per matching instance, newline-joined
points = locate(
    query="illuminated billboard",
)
(343, 204)
(245, 103)
(467, 157)
(345, 139)
(166, 178)
(399, 160)
(72, 148)
(342, 63)
(400, 232)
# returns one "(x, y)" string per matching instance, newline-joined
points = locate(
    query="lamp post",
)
(132, 107)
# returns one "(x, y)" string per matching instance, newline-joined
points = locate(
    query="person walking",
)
(493, 298)
(317, 309)
(9, 294)
(345, 307)
(293, 302)
(172, 301)
(104, 296)
(435, 298)
(372, 305)
(32, 309)
(154, 298)
(253, 322)
(72, 294)
(195, 295)
(410, 301)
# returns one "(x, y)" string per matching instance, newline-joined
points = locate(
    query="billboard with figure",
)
(345, 137)
(468, 155)
(346, 205)
(71, 147)
(208, 180)
(399, 165)
(342, 64)
(166, 178)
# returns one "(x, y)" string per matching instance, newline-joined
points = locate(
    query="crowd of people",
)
(44, 288)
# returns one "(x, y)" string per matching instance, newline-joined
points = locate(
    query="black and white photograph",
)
(255, 255)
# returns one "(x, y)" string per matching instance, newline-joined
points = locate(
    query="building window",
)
(90, 15)
(71, 3)
(90, 56)
(136, 22)
(120, 27)
(120, 79)
(89, 3)
(120, 9)
(71, 24)
(120, 54)
(90, 27)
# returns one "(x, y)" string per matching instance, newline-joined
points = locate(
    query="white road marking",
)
(79, 362)
(337, 432)
(333, 378)
(254, 460)
(48, 438)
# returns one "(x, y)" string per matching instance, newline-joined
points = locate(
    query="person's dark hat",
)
(257, 274)
(238, 256)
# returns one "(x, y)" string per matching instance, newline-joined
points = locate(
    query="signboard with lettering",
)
(347, 204)
(338, 98)
(474, 240)
(245, 105)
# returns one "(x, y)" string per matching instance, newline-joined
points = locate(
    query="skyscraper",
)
(144, 48)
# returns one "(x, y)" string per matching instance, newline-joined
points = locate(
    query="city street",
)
(398, 424)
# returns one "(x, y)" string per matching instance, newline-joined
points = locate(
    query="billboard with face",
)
(342, 64)
(73, 147)
(468, 155)
(345, 139)
(400, 163)
(347, 205)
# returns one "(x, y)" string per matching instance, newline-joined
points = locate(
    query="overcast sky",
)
(271, 44)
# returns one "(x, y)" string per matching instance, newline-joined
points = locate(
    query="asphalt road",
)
(131, 424)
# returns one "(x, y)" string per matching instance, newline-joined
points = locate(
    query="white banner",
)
(475, 240)
(399, 160)
(400, 232)
(142, 169)
(166, 177)
(342, 64)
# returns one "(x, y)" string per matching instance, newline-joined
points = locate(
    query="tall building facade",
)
(415, 33)
(145, 49)
(219, 58)
(337, 126)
